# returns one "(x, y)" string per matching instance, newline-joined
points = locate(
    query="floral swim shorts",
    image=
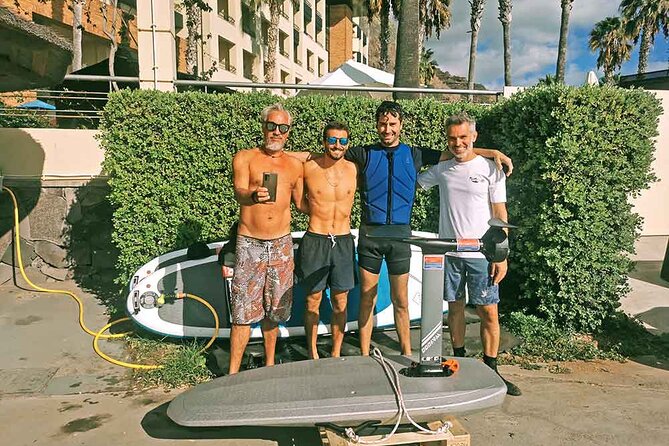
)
(262, 284)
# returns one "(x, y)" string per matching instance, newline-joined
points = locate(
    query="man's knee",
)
(314, 301)
(487, 313)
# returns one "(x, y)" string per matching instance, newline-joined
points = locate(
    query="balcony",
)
(225, 16)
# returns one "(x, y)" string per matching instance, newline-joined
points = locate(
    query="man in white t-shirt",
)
(471, 191)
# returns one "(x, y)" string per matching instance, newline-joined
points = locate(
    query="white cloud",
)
(535, 30)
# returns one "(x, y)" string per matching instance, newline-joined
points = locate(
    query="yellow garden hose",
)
(97, 335)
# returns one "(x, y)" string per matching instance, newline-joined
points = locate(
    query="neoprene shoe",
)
(512, 389)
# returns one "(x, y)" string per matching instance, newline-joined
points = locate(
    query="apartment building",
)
(57, 15)
(314, 36)
(238, 40)
(359, 42)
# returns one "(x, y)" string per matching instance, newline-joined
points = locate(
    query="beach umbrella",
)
(37, 105)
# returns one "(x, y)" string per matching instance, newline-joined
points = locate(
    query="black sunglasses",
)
(332, 140)
(271, 126)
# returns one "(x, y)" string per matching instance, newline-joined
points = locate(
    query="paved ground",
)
(54, 389)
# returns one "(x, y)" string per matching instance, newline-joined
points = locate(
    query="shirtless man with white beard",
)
(262, 285)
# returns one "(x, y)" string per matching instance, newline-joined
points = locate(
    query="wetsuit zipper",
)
(390, 187)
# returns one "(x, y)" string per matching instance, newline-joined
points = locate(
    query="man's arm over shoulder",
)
(498, 157)
(429, 178)
(302, 157)
(357, 155)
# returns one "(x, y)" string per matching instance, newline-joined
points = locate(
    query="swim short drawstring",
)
(333, 239)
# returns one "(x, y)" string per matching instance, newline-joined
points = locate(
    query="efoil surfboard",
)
(345, 390)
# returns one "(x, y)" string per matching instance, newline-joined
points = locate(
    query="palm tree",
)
(77, 26)
(272, 38)
(614, 44)
(645, 18)
(505, 7)
(193, 9)
(428, 66)
(382, 8)
(434, 15)
(475, 24)
(562, 46)
(407, 58)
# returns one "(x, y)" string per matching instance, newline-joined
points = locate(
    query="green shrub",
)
(579, 153)
(169, 158)
(544, 341)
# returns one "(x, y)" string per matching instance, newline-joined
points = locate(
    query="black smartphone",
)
(269, 180)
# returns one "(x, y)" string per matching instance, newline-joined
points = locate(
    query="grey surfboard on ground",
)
(305, 393)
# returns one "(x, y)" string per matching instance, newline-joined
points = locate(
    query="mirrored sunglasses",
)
(271, 126)
(332, 140)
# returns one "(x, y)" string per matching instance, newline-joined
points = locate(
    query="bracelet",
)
(254, 197)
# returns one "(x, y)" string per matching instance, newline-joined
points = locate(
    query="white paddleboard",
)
(173, 273)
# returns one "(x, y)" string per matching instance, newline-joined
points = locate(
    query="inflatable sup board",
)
(174, 273)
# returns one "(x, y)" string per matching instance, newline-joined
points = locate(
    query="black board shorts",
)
(325, 260)
(372, 251)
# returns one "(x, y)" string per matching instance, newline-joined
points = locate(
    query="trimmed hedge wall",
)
(579, 153)
(169, 156)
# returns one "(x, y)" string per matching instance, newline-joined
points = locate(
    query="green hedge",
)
(579, 153)
(169, 158)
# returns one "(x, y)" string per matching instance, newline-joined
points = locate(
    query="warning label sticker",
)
(468, 244)
(432, 263)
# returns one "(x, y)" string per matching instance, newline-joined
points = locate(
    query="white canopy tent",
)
(354, 74)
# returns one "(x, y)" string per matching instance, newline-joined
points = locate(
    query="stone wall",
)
(65, 234)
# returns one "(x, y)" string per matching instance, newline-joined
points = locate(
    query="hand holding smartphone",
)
(270, 180)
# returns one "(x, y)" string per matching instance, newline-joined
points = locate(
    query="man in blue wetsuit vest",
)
(387, 173)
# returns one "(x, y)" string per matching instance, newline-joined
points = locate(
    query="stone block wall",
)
(65, 234)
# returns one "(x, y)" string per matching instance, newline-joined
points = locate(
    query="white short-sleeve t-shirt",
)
(466, 191)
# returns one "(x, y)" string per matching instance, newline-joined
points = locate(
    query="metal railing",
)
(84, 108)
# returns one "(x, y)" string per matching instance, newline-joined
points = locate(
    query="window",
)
(284, 9)
(310, 61)
(319, 24)
(296, 47)
(264, 28)
(308, 14)
(285, 80)
(249, 66)
(321, 67)
(283, 44)
(224, 10)
(226, 54)
(248, 20)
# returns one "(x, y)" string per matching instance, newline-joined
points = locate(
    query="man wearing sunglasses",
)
(263, 280)
(326, 256)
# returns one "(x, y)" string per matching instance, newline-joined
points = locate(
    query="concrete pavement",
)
(54, 390)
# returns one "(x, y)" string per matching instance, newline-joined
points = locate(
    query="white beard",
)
(274, 146)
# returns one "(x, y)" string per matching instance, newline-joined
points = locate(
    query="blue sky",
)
(535, 30)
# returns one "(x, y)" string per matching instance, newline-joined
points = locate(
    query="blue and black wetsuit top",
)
(387, 180)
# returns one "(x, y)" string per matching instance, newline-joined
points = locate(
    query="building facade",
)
(237, 33)
(314, 37)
